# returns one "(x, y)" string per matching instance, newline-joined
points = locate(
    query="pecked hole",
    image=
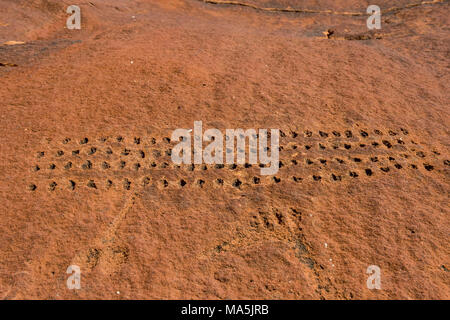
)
(353, 174)
(91, 184)
(52, 186)
(106, 165)
(87, 165)
(164, 165)
(236, 183)
(146, 181)
(200, 183)
(156, 153)
(392, 133)
(387, 144)
(126, 184)
(335, 177)
(420, 154)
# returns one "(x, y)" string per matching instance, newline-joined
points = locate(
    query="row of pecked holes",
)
(307, 133)
(120, 139)
(347, 133)
(374, 159)
(136, 166)
(348, 146)
(158, 153)
(199, 182)
(122, 164)
(108, 151)
(235, 183)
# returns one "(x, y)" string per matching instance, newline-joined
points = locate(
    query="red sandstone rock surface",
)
(365, 150)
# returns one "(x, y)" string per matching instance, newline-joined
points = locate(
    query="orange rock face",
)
(87, 176)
